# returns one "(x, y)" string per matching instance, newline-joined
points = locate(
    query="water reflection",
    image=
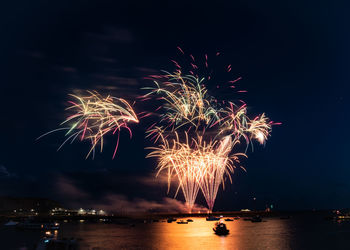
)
(198, 234)
(303, 232)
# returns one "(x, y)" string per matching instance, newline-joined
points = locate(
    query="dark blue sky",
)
(293, 58)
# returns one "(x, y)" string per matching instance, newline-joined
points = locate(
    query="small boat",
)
(237, 218)
(212, 218)
(11, 223)
(189, 220)
(228, 219)
(256, 218)
(169, 220)
(38, 226)
(342, 217)
(220, 229)
(182, 222)
(51, 243)
(285, 217)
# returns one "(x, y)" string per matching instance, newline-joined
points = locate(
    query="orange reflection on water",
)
(199, 234)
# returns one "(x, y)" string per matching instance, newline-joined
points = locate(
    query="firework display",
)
(196, 135)
(94, 116)
(207, 151)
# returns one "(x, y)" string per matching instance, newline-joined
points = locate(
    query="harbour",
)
(308, 230)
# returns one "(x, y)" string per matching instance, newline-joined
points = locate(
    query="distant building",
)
(23, 206)
(101, 212)
(63, 212)
(82, 211)
(245, 210)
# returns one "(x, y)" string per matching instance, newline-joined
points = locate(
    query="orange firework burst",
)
(219, 163)
(196, 165)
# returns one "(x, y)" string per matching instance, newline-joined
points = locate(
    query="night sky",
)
(293, 58)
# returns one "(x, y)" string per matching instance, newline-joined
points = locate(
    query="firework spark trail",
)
(199, 166)
(186, 100)
(239, 125)
(179, 160)
(260, 128)
(222, 164)
(95, 116)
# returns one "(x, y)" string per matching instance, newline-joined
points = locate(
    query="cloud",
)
(118, 203)
(147, 70)
(113, 34)
(4, 173)
(153, 180)
(157, 180)
(127, 81)
(32, 54)
(68, 189)
(66, 69)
